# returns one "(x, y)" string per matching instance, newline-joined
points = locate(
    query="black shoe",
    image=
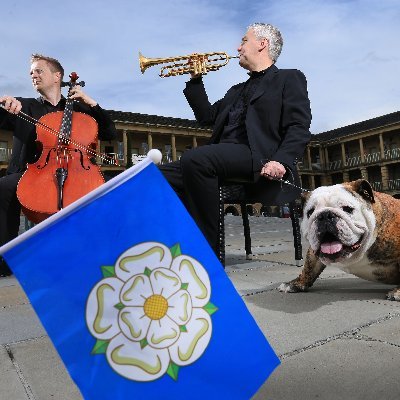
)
(4, 268)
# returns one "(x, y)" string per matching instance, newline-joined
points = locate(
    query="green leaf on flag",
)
(175, 250)
(182, 328)
(184, 286)
(119, 306)
(108, 271)
(147, 272)
(100, 347)
(210, 308)
(143, 343)
(173, 371)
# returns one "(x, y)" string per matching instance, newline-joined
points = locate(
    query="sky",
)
(348, 49)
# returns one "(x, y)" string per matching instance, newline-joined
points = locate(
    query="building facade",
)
(136, 135)
(368, 149)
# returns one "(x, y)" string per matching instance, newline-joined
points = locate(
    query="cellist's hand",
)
(10, 104)
(76, 93)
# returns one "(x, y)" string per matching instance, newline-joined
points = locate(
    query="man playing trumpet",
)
(260, 129)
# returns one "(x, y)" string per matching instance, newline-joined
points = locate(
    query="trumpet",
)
(196, 63)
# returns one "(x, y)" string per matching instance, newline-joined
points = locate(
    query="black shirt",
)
(24, 148)
(235, 127)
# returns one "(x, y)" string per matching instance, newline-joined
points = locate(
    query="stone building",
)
(136, 135)
(369, 149)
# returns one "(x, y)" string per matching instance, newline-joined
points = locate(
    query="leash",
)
(286, 182)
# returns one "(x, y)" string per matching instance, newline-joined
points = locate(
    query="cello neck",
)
(66, 124)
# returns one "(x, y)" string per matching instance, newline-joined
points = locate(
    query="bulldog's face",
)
(339, 223)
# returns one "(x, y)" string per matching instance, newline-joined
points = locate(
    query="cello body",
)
(65, 170)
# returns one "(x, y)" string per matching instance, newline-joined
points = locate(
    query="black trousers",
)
(10, 207)
(197, 176)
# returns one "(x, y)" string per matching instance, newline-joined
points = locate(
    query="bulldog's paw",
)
(291, 287)
(394, 295)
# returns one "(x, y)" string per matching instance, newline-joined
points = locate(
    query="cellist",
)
(47, 76)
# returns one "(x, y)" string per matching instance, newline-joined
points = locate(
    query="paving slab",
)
(293, 321)
(387, 331)
(12, 295)
(344, 369)
(260, 276)
(42, 370)
(19, 322)
(10, 382)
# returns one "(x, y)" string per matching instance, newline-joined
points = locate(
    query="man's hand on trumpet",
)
(196, 62)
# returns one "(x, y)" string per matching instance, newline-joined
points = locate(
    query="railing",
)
(117, 159)
(301, 165)
(392, 154)
(372, 158)
(316, 166)
(5, 154)
(394, 184)
(111, 159)
(378, 186)
(353, 161)
(137, 158)
(335, 164)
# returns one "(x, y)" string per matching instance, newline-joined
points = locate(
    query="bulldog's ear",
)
(364, 189)
(304, 198)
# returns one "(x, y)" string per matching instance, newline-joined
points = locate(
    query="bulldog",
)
(354, 228)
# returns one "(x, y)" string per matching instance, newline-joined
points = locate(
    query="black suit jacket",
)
(24, 148)
(278, 121)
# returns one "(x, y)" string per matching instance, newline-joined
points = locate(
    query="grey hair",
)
(272, 34)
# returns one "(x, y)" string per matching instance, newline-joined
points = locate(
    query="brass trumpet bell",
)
(145, 62)
(196, 63)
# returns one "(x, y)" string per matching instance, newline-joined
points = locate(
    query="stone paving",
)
(341, 340)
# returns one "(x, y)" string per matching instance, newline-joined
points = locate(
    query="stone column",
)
(364, 173)
(301, 180)
(322, 159)
(309, 158)
(326, 180)
(343, 155)
(361, 150)
(312, 182)
(194, 142)
(382, 147)
(346, 176)
(125, 145)
(327, 159)
(150, 140)
(385, 178)
(173, 146)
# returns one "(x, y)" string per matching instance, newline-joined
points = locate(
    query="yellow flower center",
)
(155, 306)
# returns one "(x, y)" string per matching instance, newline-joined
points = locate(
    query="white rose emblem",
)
(151, 312)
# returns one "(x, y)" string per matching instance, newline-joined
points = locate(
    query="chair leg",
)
(221, 226)
(294, 216)
(246, 227)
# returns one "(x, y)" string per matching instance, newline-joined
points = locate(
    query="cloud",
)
(347, 49)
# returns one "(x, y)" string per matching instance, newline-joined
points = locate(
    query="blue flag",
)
(134, 299)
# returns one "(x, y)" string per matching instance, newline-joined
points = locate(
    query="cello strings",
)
(92, 152)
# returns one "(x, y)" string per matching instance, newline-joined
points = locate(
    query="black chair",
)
(234, 193)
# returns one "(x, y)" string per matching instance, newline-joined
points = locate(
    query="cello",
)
(66, 169)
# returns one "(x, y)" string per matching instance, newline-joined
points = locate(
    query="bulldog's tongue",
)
(331, 247)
